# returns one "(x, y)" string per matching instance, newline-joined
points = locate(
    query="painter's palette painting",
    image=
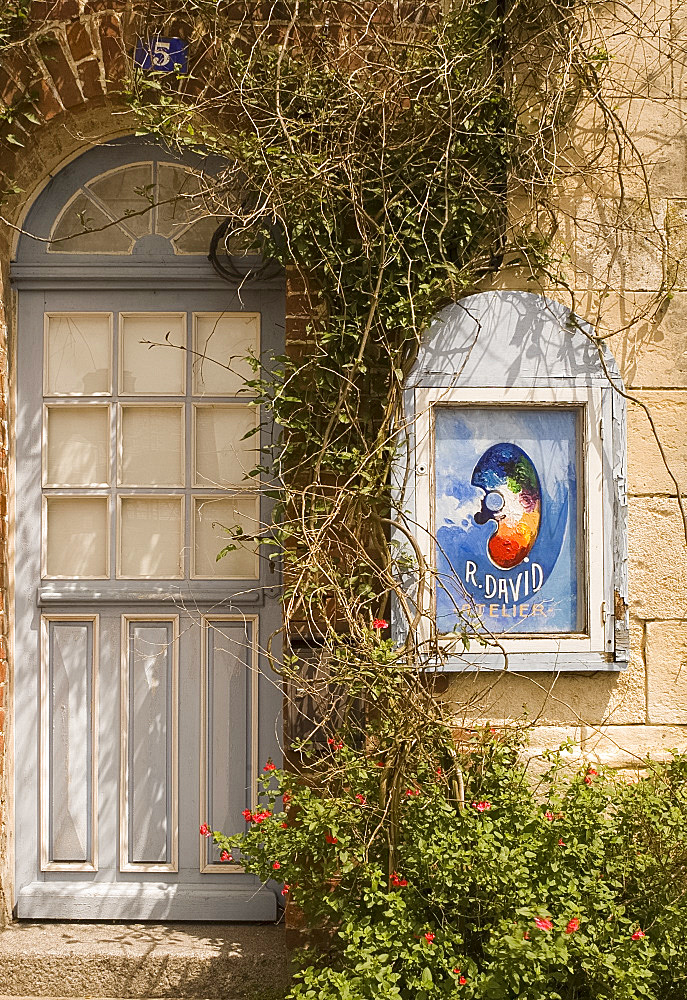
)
(506, 518)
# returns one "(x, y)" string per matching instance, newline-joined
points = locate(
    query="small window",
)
(519, 488)
(109, 214)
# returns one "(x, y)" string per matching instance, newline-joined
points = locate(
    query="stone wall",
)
(613, 278)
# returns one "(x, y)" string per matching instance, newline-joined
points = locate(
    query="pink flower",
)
(639, 933)
(543, 923)
(276, 866)
(572, 925)
(269, 766)
(398, 881)
(225, 856)
(205, 830)
(548, 815)
(330, 839)
(247, 815)
(361, 799)
(379, 623)
(429, 936)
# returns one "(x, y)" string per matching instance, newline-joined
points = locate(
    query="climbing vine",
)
(391, 158)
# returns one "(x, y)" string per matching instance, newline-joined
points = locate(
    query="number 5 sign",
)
(162, 55)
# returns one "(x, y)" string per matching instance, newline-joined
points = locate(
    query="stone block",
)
(10, 90)
(79, 41)
(114, 57)
(89, 75)
(666, 660)
(658, 559)
(649, 338)
(554, 699)
(45, 101)
(629, 746)
(647, 473)
(545, 738)
(659, 144)
(618, 245)
(59, 69)
(18, 65)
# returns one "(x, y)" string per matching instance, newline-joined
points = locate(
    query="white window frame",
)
(592, 550)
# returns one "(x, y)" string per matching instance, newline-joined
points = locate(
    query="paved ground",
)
(134, 961)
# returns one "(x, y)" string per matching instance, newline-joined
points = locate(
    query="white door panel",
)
(144, 705)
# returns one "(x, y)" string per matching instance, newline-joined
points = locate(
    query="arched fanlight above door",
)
(112, 212)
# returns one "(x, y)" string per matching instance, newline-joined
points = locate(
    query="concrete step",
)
(134, 961)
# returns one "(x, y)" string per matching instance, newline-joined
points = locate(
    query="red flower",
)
(286, 798)
(548, 815)
(481, 806)
(572, 925)
(543, 923)
(457, 971)
(380, 763)
(225, 856)
(561, 842)
(247, 815)
(333, 744)
(379, 623)
(591, 773)
(361, 799)
(205, 830)
(276, 866)
(587, 780)
(429, 936)
(398, 881)
(439, 771)
(269, 766)
(285, 826)
(410, 792)
(330, 839)
(285, 890)
(462, 980)
(526, 935)
(639, 933)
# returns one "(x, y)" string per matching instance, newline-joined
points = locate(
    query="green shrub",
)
(449, 872)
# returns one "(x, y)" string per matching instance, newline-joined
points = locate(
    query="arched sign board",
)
(517, 486)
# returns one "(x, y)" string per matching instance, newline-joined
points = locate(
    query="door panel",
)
(144, 703)
(149, 806)
(68, 766)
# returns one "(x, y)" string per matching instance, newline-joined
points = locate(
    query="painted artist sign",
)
(506, 518)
